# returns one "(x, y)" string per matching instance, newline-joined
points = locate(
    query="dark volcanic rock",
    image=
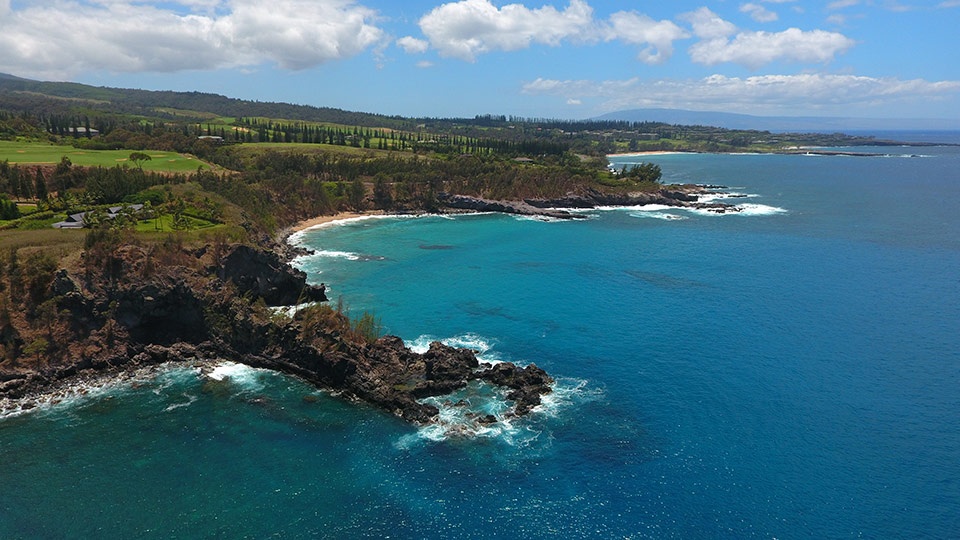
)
(266, 276)
(591, 198)
(527, 384)
(116, 323)
(162, 313)
(63, 283)
(464, 202)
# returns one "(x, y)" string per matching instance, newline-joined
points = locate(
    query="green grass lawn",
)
(37, 153)
(166, 224)
(33, 221)
(310, 148)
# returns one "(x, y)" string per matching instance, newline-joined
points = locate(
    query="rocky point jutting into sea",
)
(134, 307)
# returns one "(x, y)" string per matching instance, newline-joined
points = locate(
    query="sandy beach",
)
(649, 153)
(323, 220)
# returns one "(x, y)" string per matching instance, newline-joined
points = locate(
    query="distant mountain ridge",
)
(41, 97)
(814, 124)
(19, 94)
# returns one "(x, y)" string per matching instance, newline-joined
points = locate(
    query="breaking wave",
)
(483, 346)
(482, 410)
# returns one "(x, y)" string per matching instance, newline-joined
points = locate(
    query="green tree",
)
(158, 212)
(382, 195)
(645, 172)
(40, 185)
(37, 347)
(126, 218)
(8, 208)
(356, 194)
(95, 218)
(38, 272)
(368, 327)
(138, 158)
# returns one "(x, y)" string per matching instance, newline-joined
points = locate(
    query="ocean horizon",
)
(791, 370)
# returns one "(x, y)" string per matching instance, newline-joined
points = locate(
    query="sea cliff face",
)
(132, 306)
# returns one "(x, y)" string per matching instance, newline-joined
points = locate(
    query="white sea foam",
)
(337, 254)
(566, 392)
(464, 413)
(474, 342)
(759, 210)
(660, 211)
(297, 238)
(461, 413)
(241, 375)
(467, 341)
(465, 215)
(656, 214)
(190, 399)
(908, 155)
(540, 218)
(740, 210)
(721, 196)
(106, 386)
(59, 399)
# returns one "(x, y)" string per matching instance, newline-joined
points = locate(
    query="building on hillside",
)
(78, 221)
(83, 132)
(73, 221)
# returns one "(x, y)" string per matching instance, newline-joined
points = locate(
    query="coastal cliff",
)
(131, 306)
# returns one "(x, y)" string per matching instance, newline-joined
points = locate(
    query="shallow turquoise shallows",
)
(788, 371)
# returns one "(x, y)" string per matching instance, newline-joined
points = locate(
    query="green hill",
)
(27, 95)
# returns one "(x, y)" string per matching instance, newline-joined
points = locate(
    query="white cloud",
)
(52, 38)
(837, 19)
(413, 45)
(638, 29)
(297, 33)
(765, 94)
(759, 13)
(841, 4)
(424, 64)
(708, 25)
(471, 27)
(755, 49)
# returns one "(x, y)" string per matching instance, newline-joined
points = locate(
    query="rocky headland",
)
(130, 307)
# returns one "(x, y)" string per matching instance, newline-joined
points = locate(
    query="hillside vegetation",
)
(204, 161)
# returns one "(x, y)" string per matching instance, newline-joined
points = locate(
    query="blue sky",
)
(534, 58)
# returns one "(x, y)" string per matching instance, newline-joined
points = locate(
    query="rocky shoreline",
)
(214, 307)
(559, 208)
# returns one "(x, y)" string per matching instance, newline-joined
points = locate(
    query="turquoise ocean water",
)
(792, 371)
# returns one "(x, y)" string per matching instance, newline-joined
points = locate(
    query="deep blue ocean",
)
(790, 371)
